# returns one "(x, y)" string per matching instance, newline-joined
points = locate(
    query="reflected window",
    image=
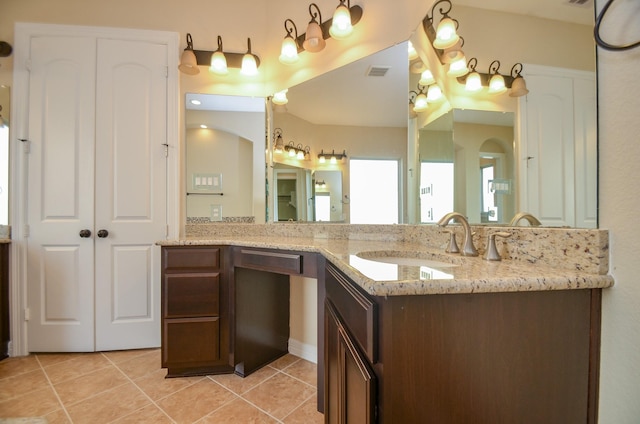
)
(436, 190)
(4, 174)
(489, 208)
(323, 207)
(374, 188)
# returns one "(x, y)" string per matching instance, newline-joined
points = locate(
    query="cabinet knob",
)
(103, 233)
(85, 233)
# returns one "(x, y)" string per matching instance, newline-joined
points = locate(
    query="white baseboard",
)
(303, 350)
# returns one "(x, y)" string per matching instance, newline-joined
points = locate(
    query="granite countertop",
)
(356, 258)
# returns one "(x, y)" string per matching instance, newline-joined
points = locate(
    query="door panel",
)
(60, 196)
(130, 191)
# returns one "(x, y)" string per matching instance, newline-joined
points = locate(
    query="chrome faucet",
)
(469, 249)
(525, 215)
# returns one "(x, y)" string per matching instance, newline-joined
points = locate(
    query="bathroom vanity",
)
(459, 340)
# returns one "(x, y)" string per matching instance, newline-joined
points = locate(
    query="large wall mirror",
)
(362, 110)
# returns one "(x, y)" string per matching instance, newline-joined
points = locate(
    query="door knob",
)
(85, 233)
(103, 233)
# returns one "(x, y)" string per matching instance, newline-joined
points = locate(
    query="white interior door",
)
(60, 286)
(95, 168)
(130, 192)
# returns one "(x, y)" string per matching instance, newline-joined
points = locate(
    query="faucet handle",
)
(491, 252)
(453, 245)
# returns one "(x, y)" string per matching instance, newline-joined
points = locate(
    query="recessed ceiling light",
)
(203, 126)
(196, 102)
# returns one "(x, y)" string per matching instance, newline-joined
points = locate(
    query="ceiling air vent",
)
(582, 3)
(377, 71)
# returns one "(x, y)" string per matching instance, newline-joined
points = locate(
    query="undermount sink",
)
(406, 258)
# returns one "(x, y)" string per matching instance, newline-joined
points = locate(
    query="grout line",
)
(55, 392)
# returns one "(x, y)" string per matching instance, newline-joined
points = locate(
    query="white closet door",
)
(60, 284)
(550, 150)
(130, 191)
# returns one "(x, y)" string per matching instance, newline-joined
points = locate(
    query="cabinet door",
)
(350, 384)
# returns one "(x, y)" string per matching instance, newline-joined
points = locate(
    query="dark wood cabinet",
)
(4, 300)
(196, 310)
(351, 383)
(525, 357)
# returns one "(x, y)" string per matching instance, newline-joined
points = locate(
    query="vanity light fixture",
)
(280, 98)
(321, 184)
(497, 83)
(434, 93)
(249, 65)
(341, 23)
(298, 151)
(313, 40)
(473, 81)
(412, 98)
(188, 61)
(289, 49)
(518, 85)
(413, 53)
(219, 61)
(333, 156)
(445, 35)
(278, 146)
(420, 103)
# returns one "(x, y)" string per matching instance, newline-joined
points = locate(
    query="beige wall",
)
(619, 203)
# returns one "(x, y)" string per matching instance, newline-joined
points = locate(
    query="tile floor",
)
(129, 387)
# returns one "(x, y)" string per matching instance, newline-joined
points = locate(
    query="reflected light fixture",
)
(426, 78)
(314, 38)
(218, 64)
(453, 53)
(278, 146)
(473, 82)
(458, 68)
(413, 53)
(289, 49)
(496, 82)
(280, 97)
(420, 103)
(434, 93)
(219, 61)
(188, 61)
(249, 64)
(333, 156)
(341, 25)
(412, 97)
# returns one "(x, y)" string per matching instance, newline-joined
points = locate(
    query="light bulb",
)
(289, 51)
(473, 82)
(496, 84)
(458, 68)
(218, 63)
(341, 24)
(249, 65)
(426, 78)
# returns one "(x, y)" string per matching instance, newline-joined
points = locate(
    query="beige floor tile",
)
(118, 356)
(141, 365)
(22, 384)
(87, 385)
(156, 386)
(33, 404)
(279, 395)
(284, 361)
(307, 413)
(241, 385)
(304, 370)
(11, 367)
(196, 401)
(47, 359)
(76, 367)
(238, 411)
(108, 406)
(149, 414)
(58, 417)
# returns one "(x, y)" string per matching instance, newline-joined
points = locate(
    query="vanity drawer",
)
(357, 311)
(196, 258)
(278, 261)
(191, 295)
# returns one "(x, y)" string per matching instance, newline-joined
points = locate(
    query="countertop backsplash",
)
(586, 250)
